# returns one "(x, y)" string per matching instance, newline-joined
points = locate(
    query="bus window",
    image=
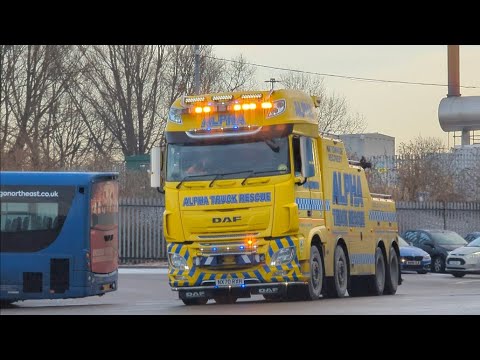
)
(32, 216)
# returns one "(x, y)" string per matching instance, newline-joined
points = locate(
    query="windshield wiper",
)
(261, 172)
(272, 145)
(191, 176)
(230, 173)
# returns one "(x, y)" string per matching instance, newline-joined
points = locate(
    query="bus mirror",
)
(156, 167)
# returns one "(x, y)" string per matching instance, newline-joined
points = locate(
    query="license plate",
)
(413, 262)
(229, 282)
(454, 262)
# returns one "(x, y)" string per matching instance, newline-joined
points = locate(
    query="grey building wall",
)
(368, 145)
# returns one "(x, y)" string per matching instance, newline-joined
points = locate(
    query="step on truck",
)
(258, 202)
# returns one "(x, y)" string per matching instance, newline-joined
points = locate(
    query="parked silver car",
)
(464, 260)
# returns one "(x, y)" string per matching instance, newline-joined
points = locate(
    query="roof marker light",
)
(207, 109)
(222, 97)
(198, 109)
(237, 107)
(194, 99)
(251, 96)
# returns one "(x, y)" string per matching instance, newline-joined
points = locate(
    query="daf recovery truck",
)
(257, 202)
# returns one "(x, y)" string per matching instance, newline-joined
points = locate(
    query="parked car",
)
(438, 243)
(464, 260)
(472, 236)
(413, 258)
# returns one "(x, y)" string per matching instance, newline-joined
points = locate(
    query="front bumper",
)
(204, 270)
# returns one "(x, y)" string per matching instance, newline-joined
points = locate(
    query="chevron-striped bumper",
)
(254, 269)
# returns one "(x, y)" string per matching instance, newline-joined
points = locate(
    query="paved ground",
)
(146, 291)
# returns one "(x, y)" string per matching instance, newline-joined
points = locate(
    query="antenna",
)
(272, 81)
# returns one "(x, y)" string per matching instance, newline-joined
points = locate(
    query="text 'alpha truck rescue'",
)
(257, 202)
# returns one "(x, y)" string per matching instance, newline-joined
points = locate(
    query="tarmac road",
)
(146, 291)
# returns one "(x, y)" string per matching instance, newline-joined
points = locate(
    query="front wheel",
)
(315, 283)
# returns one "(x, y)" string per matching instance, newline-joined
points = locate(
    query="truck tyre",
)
(314, 288)
(197, 301)
(392, 273)
(336, 287)
(377, 282)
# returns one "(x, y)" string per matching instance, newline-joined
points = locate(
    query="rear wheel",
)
(393, 270)
(197, 301)
(377, 282)
(458, 274)
(337, 287)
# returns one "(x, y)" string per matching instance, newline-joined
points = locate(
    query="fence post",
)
(444, 215)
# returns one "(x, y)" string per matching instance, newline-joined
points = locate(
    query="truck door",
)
(308, 195)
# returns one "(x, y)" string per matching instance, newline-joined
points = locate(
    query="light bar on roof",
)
(251, 96)
(194, 99)
(222, 97)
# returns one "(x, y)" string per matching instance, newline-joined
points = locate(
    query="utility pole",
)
(197, 69)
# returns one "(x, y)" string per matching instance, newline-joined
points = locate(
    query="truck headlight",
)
(178, 262)
(283, 256)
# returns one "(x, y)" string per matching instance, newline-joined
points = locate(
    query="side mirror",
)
(300, 180)
(156, 169)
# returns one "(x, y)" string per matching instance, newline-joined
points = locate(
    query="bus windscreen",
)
(32, 216)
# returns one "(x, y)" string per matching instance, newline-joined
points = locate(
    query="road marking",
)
(466, 281)
(142, 271)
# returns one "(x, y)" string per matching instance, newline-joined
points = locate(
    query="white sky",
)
(398, 110)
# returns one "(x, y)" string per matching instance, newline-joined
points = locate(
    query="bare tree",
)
(37, 76)
(123, 85)
(333, 114)
(424, 170)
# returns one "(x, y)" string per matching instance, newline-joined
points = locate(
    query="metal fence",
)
(141, 228)
(462, 217)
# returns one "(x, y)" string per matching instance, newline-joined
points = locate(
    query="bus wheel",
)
(377, 282)
(196, 301)
(314, 288)
(391, 281)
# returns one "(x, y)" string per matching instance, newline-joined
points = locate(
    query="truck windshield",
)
(190, 161)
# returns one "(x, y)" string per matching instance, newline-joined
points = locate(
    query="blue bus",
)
(58, 234)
